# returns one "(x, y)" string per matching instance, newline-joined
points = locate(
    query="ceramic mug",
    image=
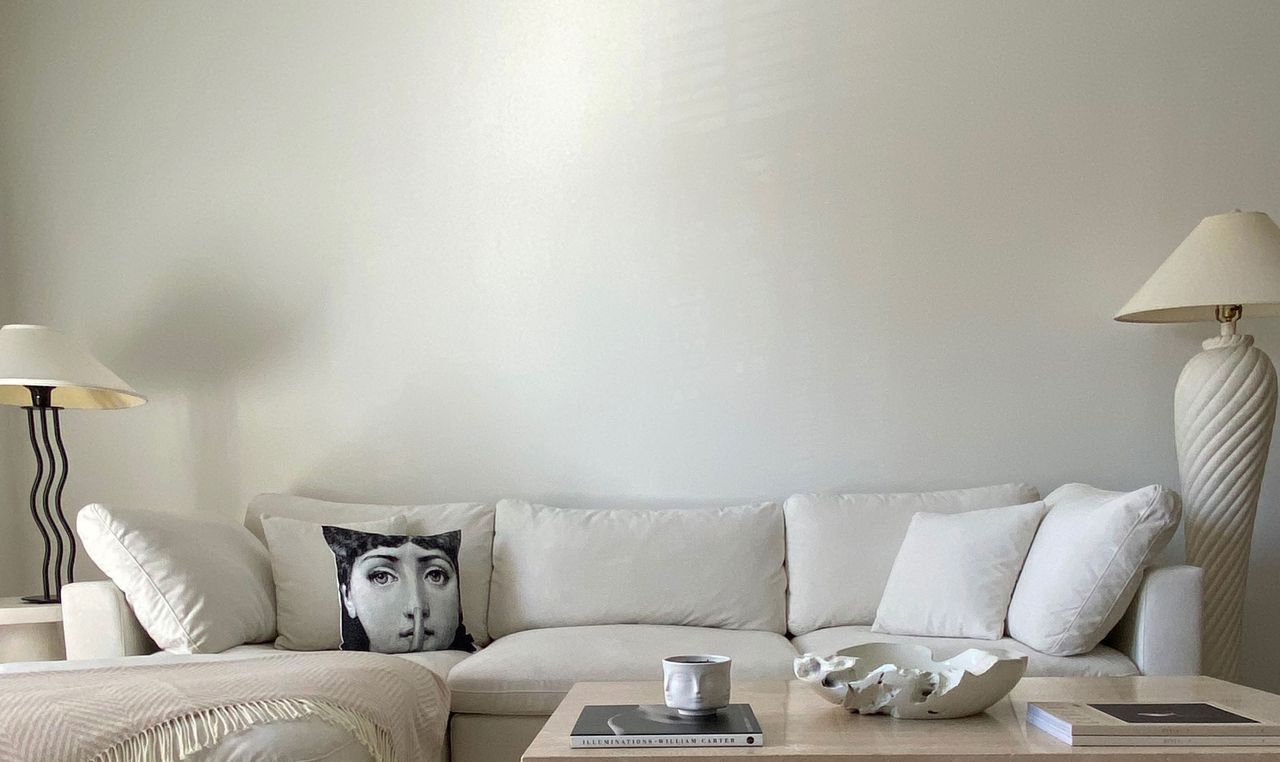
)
(696, 685)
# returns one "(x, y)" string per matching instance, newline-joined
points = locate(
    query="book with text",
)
(1190, 724)
(657, 725)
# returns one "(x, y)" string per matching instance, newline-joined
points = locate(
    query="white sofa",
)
(585, 595)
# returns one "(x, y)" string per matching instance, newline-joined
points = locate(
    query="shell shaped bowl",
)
(968, 683)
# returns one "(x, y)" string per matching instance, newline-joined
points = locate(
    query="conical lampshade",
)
(34, 355)
(1231, 258)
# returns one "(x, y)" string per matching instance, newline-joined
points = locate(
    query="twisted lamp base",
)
(1224, 410)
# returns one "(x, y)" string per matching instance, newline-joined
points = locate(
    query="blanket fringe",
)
(176, 738)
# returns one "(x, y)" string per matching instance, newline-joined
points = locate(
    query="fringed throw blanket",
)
(398, 710)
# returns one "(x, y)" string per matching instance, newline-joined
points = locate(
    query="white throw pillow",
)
(306, 586)
(954, 574)
(705, 567)
(840, 548)
(1086, 563)
(474, 520)
(196, 585)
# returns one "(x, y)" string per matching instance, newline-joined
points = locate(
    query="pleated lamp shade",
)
(1228, 259)
(35, 355)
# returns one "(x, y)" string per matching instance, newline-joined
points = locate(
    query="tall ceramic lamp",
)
(1224, 405)
(45, 372)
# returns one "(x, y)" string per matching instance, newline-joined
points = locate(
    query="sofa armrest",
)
(97, 623)
(1161, 630)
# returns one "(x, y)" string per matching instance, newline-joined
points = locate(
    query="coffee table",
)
(800, 727)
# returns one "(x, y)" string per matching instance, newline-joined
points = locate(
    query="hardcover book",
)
(658, 725)
(1191, 724)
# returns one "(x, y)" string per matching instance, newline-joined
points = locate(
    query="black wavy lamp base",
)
(58, 567)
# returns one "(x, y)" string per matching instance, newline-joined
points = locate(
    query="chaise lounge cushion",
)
(531, 671)
(439, 662)
(1102, 661)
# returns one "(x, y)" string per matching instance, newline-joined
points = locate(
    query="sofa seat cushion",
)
(439, 662)
(1102, 661)
(529, 672)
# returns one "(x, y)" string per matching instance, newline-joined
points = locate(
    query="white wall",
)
(13, 570)
(605, 253)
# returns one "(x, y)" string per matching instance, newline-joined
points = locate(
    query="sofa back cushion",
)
(474, 520)
(840, 548)
(716, 567)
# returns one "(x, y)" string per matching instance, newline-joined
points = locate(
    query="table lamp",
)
(1224, 405)
(43, 372)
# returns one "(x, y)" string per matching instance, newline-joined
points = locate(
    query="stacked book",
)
(1196, 724)
(656, 725)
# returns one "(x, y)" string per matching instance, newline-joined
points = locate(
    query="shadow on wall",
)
(497, 438)
(405, 452)
(475, 448)
(209, 326)
(723, 65)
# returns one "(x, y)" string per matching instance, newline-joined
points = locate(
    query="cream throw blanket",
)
(397, 709)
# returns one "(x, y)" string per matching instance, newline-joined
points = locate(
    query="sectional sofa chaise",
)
(590, 595)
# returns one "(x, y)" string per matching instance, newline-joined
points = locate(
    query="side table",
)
(30, 631)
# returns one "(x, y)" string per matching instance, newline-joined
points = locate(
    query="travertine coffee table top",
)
(798, 725)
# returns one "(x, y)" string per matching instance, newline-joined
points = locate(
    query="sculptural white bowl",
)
(905, 681)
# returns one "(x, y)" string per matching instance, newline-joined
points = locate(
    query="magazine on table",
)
(658, 725)
(1133, 724)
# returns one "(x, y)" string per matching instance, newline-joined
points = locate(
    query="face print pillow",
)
(398, 593)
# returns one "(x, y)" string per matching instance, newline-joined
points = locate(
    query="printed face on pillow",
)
(405, 597)
(398, 593)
